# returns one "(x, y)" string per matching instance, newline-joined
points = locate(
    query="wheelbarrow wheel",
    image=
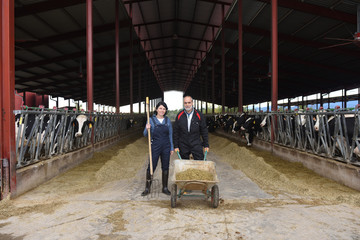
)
(215, 196)
(173, 195)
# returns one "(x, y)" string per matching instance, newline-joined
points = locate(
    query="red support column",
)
(131, 60)
(274, 62)
(89, 54)
(213, 79)
(89, 60)
(117, 57)
(4, 188)
(7, 99)
(139, 73)
(222, 60)
(240, 60)
(206, 83)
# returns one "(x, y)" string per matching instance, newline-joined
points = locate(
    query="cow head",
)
(79, 125)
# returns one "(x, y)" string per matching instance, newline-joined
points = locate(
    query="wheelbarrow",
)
(208, 188)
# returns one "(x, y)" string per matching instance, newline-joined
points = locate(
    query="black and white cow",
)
(251, 127)
(211, 123)
(37, 127)
(239, 122)
(347, 127)
(79, 124)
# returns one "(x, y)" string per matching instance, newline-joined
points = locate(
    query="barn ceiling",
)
(176, 42)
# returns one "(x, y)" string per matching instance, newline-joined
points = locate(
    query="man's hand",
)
(206, 149)
(176, 149)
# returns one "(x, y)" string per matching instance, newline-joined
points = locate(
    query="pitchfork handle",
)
(149, 136)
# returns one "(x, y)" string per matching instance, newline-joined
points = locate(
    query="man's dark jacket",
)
(183, 138)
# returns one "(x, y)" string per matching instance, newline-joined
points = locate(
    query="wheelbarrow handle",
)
(205, 155)
(178, 155)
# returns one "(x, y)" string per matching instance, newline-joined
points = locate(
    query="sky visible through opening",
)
(174, 100)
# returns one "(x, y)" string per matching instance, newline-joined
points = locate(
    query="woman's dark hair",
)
(158, 105)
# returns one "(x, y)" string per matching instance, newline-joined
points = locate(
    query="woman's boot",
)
(165, 177)
(148, 184)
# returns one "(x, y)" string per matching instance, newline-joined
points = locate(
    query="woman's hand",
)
(148, 126)
(171, 153)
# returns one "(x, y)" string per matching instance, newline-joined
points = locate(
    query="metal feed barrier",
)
(44, 133)
(296, 130)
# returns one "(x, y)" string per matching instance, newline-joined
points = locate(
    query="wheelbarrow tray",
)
(194, 184)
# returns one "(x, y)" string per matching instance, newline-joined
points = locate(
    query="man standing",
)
(190, 132)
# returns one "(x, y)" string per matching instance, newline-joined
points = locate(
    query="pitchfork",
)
(154, 183)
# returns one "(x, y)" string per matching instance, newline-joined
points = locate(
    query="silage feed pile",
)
(121, 161)
(125, 163)
(194, 174)
(278, 176)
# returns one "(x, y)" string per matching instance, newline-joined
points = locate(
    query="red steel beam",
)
(7, 91)
(316, 10)
(290, 38)
(274, 63)
(210, 1)
(240, 59)
(70, 56)
(213, 74)
(175, 48)
(45, 6)
(23, 81)
(131, 59)
(223, 61)
(89, 56)
(71, 35)
(173, 20)
(117, 56)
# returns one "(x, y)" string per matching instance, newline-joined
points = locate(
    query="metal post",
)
(213, 77)
(139, 74)
(240, 59)
(131, 59)
(321, 100)
(302, 102)
(7, 98)
(89, 55)
(274, 62)
(117, 56)
(206, 83)
(223, 60)
(289, 105)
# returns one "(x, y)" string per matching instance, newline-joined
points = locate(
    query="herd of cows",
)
(43, 134)
(334, 134)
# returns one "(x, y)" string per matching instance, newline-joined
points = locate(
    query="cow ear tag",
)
(20, 120)
(254, 121)
(90, 125)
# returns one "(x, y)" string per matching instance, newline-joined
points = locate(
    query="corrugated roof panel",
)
(78, 12)
(106, 8)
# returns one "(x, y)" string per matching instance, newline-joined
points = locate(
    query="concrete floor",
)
(117, 211)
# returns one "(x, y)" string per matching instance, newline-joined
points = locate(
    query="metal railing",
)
(44, 133)
(297, 130)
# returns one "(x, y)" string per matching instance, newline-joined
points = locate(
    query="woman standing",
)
(161, 145)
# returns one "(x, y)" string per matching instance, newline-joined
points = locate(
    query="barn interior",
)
(186, 45)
